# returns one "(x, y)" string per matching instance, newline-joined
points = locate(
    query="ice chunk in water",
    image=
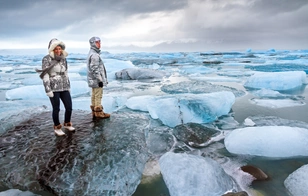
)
(16, 192)
(37, 91)
(269, 141)
(139, 73)
(186, 174)
(297, 182)
(185, 108)
(277, 80)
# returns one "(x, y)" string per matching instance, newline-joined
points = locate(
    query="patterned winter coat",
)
(56, 78)
(96, 69)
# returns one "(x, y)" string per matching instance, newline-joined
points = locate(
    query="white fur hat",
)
(53, 44)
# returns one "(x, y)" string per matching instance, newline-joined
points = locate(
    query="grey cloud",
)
(241, 22)
(13, 4)
(28, 17)
(259, 23)
(273, 7)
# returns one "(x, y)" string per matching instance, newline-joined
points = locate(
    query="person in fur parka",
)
(96, 77)
(57, 84)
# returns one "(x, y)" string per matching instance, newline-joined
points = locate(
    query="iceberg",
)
(186, 174)
(26, 92)
(110, 103)
(184, 108)
(139, 74)
(297, 182)
(78, 88)
(274, 99)
(277, 80)
(198, 87)
(16, 192)
(196, 69)
(274, 103)
(112, 66)
(140, 103)
(6, 69)
(268, 141)
(268, 94)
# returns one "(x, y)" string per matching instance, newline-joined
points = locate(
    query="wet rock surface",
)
(104, 157)
(257, 173)
(194, 134)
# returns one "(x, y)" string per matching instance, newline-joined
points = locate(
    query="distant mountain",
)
(175, 47)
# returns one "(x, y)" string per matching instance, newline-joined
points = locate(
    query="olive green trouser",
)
(96, 98)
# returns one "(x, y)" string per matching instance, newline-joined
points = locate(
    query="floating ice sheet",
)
(297, 182)
(184, 108)
(268, 141)
(186, 174)
(78, 88)
(277, 80)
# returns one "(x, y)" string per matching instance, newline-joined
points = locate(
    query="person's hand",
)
(100, 84)
(50, 94)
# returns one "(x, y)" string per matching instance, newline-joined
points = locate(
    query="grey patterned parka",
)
(96, 69)
(55, 79)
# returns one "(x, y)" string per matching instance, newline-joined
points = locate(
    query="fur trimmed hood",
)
(53, 44)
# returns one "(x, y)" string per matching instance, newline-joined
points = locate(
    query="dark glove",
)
(100, 84)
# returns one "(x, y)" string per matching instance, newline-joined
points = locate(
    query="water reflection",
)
(64, 154)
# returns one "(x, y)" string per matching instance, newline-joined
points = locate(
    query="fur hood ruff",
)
(53, 44)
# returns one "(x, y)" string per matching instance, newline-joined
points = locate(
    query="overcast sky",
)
(166, 24)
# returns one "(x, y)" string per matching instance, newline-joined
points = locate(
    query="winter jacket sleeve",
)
(95, 67)
(104, 74)
(46, 78)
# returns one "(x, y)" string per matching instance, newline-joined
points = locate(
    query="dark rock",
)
(257, 173)
(194, 134)
(212, 62)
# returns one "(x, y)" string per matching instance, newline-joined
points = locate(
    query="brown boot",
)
(98, 111)
(93, 113)
(106, 114)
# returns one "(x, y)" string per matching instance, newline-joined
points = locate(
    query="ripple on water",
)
(8, 140)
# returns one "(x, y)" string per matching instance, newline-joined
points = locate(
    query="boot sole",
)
(59, 135)
(69, 129)
(101, 117)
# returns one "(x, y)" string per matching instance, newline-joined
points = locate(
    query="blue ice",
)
(268, 141)
(297, 182)
(277, 80)
(184, 108)
(186, 174)
(139, 74)
(78, 88)
(262, 75)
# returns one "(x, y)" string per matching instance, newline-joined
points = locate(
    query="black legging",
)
(65, 96)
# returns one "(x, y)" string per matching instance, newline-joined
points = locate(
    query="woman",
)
(57, 84)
